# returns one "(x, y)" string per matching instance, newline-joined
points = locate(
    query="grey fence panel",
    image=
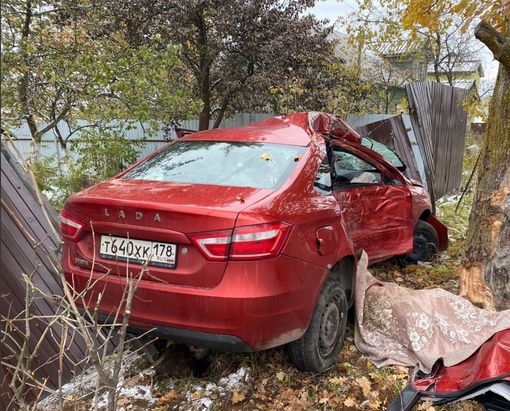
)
(29, 245)
(392, 133)
(358, 121)
(50, 146)
(440, 124)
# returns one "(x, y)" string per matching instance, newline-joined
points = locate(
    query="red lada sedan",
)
(245, 238)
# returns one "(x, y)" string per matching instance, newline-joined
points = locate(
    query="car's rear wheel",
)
(317, 349)
(425, 244)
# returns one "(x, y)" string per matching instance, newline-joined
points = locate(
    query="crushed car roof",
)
(292, 129)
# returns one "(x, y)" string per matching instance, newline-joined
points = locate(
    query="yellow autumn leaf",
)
(131, 382)
(237, 396)
(337, 380)
(374, 405)
(335, 401)
(426, 406)
(280, 375)
(122, 402)
(378, 377)
(170, 395)
(197, 395)
(364, 384)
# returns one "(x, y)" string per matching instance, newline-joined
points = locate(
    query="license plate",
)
(138, 251)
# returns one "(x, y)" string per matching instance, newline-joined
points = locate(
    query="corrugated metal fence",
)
(435, 131)
(51, 147)
(392, 133)
(439, 122)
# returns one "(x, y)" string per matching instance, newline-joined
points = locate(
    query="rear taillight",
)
(244, 243)
(72, 228)
(214, 245)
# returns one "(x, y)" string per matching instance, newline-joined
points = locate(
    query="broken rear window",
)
(238, 164)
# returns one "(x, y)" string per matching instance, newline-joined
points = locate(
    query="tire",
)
(425, 244)
(317, 349)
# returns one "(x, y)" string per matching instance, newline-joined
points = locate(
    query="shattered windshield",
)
(384, 151)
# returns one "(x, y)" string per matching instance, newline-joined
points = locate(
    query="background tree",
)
(449, 50)
(257, 55)
(388, 82)
(58, 69)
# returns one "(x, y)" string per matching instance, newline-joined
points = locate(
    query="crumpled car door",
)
(377, 208)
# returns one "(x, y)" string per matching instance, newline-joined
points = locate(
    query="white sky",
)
(333, 9)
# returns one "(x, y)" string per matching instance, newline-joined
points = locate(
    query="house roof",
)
(400, 47)
(462, 84)
(465, 67)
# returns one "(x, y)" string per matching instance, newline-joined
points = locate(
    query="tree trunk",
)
(204, 71)
(205, 95)
(485, 270)
(221, 112)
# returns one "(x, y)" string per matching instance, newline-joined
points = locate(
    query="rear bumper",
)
(257, 305)
(217, 342)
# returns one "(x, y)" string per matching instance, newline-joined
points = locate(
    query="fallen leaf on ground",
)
(237, 396)
(365, 385)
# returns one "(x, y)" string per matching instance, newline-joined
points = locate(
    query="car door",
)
(375, 201)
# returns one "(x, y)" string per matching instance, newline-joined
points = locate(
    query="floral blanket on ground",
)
(398, 325)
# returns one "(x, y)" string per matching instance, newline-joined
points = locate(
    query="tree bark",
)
(485, 270)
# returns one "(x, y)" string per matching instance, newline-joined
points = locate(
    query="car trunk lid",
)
(130, 221)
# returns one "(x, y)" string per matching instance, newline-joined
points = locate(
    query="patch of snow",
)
(201, 398)
(85, 384)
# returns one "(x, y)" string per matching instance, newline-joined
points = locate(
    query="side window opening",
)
(323, 182)
(350, 170)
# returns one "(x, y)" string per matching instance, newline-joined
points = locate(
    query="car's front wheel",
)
(425, 244)
(317, 349)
